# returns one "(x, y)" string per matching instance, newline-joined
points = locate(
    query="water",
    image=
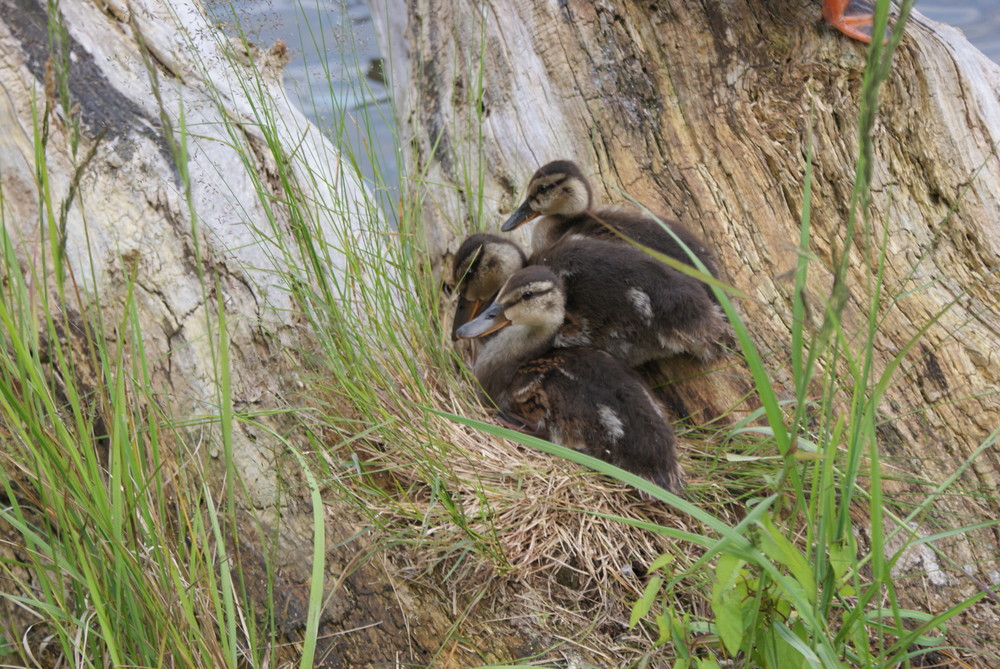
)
(327, 74)
(978, 19)
(333, 50)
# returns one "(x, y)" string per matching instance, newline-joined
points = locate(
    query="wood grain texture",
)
(704, 112)
(130, 218)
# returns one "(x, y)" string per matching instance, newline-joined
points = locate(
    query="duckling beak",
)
(523, 214)
(465, 311)
(491, 320)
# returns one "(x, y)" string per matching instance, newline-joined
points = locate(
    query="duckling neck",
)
(505, 352)
(549, 229)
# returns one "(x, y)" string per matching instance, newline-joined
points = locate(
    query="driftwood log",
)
(704, 112)
(134, 68)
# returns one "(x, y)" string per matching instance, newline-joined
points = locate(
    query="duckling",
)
(562, 196)
(618, 299)
(581, 398)
(482, 264)
(621, 300)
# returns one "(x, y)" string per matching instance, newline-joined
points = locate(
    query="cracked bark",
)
(703, 111)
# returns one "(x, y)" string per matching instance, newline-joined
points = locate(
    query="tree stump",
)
(705, 112)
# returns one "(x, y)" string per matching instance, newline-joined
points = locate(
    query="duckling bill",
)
(581, 398)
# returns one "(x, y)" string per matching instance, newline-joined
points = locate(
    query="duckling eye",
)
(527, 295)
(544, 188)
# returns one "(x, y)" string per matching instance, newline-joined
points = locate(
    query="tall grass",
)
(123, 548)
(790, 584)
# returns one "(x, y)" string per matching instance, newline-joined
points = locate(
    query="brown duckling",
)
(618, 299)
(482, 264)
(581, 398)
(560, 194)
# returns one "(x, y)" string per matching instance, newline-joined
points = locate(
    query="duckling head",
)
(556, 189)
(482, 264)
(534, 299)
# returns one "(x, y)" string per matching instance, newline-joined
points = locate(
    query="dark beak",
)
(465, 311)
(487, 322)
(523, 214)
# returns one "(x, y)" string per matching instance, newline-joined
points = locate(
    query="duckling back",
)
(616, 224)
(561, 195)
(592, 402)
(621, 300)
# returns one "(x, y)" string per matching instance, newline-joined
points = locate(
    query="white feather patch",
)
(611, 422)
(640, 300)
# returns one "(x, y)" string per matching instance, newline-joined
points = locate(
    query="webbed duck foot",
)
(851, 17)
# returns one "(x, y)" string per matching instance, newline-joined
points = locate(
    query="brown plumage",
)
(560, 196)
(581, 398)
(618, 299)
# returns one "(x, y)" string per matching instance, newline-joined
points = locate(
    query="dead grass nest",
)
(539, 530)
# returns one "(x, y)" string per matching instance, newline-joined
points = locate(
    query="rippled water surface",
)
(327, 71)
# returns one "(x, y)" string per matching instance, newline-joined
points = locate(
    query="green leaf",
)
(728, 602)
(736, 457)
(727, 571)
(806, 456)
(664, 629)
(843, 555)
(729, 616)
(660, 562)
(642, 606)
(777, 547)
(792, 650)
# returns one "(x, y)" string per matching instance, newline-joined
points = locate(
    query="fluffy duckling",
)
(622, 301)
(581, 398)
(617, 298)
(482, 264)
(560, 194)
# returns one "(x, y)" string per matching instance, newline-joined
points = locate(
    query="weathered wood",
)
(135, 68)
(704, 112)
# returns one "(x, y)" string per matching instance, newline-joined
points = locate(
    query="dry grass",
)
(521, 534)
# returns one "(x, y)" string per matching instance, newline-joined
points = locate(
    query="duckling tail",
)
(672, 480)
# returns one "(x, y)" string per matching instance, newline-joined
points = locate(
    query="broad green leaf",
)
(644, 603)
(792, 649)
(660, 562)
(777, 547)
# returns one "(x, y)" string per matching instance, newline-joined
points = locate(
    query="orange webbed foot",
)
(851, 17)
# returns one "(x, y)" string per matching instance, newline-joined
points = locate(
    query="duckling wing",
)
(592, 402)
(518, 423)
(526, 401)
(625, 302)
